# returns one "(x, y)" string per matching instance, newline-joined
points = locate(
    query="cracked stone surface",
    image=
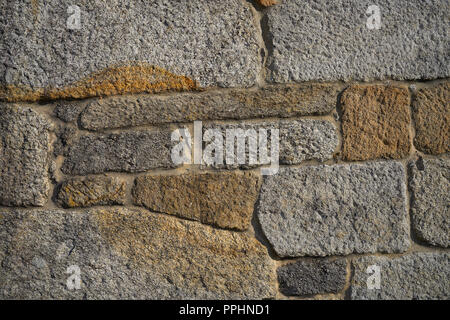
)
(128, 254)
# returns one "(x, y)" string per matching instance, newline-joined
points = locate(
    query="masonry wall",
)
(89, 190)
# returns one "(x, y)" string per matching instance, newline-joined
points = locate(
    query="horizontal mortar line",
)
(387, 82)
(224, 121)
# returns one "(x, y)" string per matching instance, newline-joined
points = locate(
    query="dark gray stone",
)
(312, 277)
(119, 152)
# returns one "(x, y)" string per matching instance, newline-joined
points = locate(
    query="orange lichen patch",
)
(267, 3)
(140, 78)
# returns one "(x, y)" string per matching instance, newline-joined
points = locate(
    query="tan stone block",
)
(375, 122)
(224, 199)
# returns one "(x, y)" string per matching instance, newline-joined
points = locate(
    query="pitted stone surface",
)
(214, 42)
(24, 156)
(91, 191)
(68, 111)
(312, 277)
(300, 140)
(272, 101)
(335, 210)
(323, 40)
(224, 199)
(415, 276)
(431, 111)
(119, 152)
(375, 122)
(128, 254)
(429, 183)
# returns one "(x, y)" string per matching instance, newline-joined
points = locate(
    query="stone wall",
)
(89, 190)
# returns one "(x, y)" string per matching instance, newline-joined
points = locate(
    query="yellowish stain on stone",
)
(190, 255)
(267, 3)
(116, 80)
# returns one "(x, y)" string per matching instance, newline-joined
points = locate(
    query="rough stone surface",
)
(375, 122)
(431, 111)
(319, 40)
(429, 183)
(126, 151)
(300, 140)
(128, 254)
(312, 277)
(214, 42)
(416, 276)
(225, 199)
(68, 111)
(24, 156)
(272, 101)
(335, 210)
(91, 191)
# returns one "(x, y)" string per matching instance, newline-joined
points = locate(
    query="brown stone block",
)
(375, 122)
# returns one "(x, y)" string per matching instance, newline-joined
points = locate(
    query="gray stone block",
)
(135, 151)
(415, 276)
(312, 277)
(430, 194)
(128, 254)
(335, 210)
(214, 42)
(329, 40)
(300, 140)
(24, 156)
(271, 101)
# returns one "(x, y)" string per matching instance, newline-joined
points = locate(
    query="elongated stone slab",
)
(223, 199)
(119, 152)
(429, 182)
(271, 101)
(24, 156)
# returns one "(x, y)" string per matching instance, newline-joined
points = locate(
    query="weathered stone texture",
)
(91, 191)
(431, 111)
(430, 194)
(24, 156)
(375, 122)
(122, 152)
(69, 111)
(272, 101)
(214, 42)
(323, 40)
(312, 277)
(335, 210)
(416, 276)
(299, 140)
(224, 199)
(128, 254)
